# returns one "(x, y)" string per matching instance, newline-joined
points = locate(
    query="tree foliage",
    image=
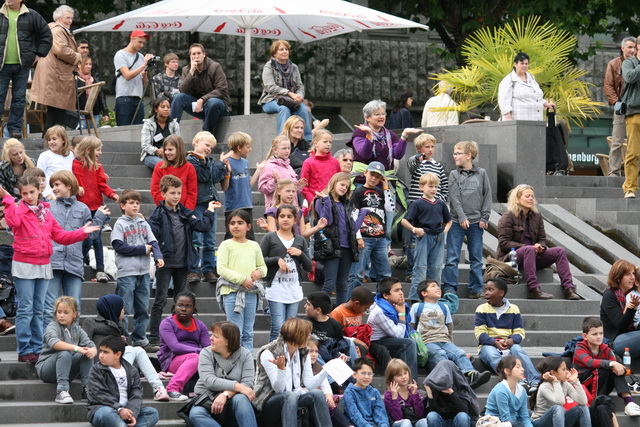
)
(488, 56)
(88, 10)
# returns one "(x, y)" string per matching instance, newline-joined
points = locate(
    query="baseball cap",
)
(376, 167)
(139, 33)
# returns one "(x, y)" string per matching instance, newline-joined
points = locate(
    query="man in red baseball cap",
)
(131, 78)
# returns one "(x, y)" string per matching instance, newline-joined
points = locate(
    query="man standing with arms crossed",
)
(613, 90)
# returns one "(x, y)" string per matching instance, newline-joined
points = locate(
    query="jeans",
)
(106, 416)
(134, 290)
(284, 113)
(212, 110)
(245, 319)
(163, 277)
(138, 356)
(63, 283)
(84, 120)
(18, 76)
(126, 108)
(557, 417)
(29, 328)
(239, 412)
(408, 246)
(150, 161)
(206, 241)
(530, 261)
(633, 153)
(96, 243)
(491, 356)
(402, 348)
(439, 351)
(428, 257)
(279, 313)
(336, 275)
(375, 250)
(455, 238)
(629, 339)
(65, 366)
(284, 406)
(434, 419)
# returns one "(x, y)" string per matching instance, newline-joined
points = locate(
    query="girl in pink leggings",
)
(181, 339)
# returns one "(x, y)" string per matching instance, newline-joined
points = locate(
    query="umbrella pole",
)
(247, 70)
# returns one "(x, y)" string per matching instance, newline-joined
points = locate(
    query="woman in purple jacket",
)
(181, 339)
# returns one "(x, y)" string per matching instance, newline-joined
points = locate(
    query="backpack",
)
(495, 268)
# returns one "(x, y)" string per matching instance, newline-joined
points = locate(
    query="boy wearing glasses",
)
(363, 403)
(470, 202)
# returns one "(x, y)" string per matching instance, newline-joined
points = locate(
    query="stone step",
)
(161, 423)
(584, 181)
(580, 192)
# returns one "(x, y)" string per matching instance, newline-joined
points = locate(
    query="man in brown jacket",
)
(613, 89)
(203, 91)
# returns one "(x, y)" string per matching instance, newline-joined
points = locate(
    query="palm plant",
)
(489, 54)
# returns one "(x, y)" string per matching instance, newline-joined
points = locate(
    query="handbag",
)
(205, 400)
(8, 296)
(288, 102)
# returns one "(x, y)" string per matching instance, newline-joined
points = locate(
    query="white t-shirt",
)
(121, 380)
(126, 87)
(285, 287)
(636, 317)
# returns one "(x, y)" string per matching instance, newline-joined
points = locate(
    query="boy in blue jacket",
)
(362, 403)
(174, 226)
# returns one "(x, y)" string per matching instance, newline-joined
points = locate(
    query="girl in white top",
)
(59, 157)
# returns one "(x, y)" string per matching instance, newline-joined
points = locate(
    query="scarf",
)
(286, 73)
(622, 300)
(40, 210)
(87, 79)
(391, 312)
(110, 306)
(384, 138)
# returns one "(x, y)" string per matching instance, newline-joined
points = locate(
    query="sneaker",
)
(65, 398)
(179, 397)
(532, 389)
(150, 348)
(629, 195)
(106, 227)
(6, 327)
(161, 395)
(193, 277)
(29, 358)
(102, 277)
(83, 396)
(632, 409)
(408, 278)
(210, 277)
(475, 295)
(476, 379)
(165, 375)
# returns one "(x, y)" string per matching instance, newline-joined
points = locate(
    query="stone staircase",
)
(25, 400)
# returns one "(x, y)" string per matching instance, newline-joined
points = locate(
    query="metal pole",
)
(247, 70)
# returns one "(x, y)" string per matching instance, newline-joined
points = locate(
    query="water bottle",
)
(626, 360)
(513, 258)
(322, 236)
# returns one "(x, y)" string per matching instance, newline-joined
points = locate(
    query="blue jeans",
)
(240, 412)
(96, 243)
(29, 328)
(63, 283)
(18, 76)
(375, 250)
(82, 124)
(455, 238)
(439, 351)
(284, 113)
(407, 423)
(491, 356)
(402, 348)
(212, 110)
(126, 108)
(336, 275)
(245, 319)
(279, 313)
(150, 161)
(628, 339)
(284, 406)
(206, 241)
(134, 290)
(106, 416)
(461, 419)
(428, 256)
(557, 416)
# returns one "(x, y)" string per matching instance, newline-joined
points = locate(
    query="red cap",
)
(139, 33)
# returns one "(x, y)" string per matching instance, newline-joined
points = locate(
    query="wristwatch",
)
(226, 394)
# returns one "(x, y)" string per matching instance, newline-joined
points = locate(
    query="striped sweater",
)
(588, 364)
(489, 326)
(418, 168)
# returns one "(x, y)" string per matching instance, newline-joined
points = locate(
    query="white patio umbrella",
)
(301, 20)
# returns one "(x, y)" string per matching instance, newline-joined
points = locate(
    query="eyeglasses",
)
(379, 115)
(458, 154)
(346, 160)
(367, 374)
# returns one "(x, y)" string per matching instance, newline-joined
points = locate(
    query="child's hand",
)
(322, 223)
(548, 376)
(106, 177)
(148, 249)
(88, 228)
(160, 263)
(618, 368)
(140, 215)
(448, 391)
(283, 266)
(126, 415)
(360, 244)
(80, 193)
(3, 192)
(500, 344)
(633, 302)
(319, 194)
(276, 177)
(105, 210)
(413, 387)
(262, 223)
(419, 232)
(247, 284)
(483, 225)
(573, 375)
(213, 205)
(294, 251)
(261, 165)
(393, 388)
(508, 343)
(116, 198)
(159, 152)
(302, 183)
(429, 392)
(88, 352)
(344, 358)
(465, 224)
(225, 156)
(256, 275)
(280, 362)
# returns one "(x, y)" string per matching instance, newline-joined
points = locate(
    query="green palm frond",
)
(489, 54)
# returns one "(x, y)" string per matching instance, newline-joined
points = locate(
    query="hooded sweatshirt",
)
(318, 170)
(267, 184)
(129, 239)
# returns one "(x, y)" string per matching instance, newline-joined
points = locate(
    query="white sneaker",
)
(632, 409)
(102, 277)
(179, 397)
(65, 398)
(106, 227)
(161, 395)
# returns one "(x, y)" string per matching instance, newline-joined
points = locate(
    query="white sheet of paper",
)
(338, 370)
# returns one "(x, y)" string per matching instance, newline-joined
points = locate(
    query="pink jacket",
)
(267, 184)
(318, 170)
(32, 241)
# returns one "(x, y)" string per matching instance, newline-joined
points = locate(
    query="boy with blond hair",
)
(209, 172)
(429, 220)
(470, 201)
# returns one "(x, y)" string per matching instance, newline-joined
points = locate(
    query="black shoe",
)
(16, 135)
(532, 389)
(476, 379)
(84, 394)
(475, 295)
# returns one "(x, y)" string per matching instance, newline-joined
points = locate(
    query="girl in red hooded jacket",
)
(318, 169)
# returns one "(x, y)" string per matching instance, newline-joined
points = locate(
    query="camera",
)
(153, 61)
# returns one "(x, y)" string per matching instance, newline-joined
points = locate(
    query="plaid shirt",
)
(524, 100)
(588, 364)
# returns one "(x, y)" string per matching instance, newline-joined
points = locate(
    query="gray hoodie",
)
(129, 239)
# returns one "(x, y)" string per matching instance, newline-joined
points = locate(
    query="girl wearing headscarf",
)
(107, 323)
